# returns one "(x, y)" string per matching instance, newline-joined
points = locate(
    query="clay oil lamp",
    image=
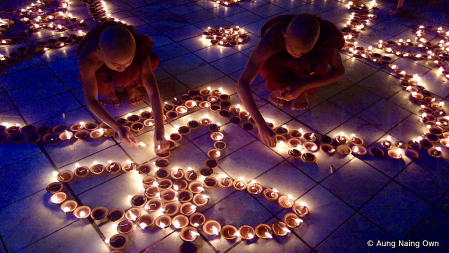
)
(137, 126)
(132, 117)
(58, 198)
(146, 115)
(212, 99)
(4, 139)
(214, 154)
(271, 194)
(217, 136)
(280, 228)
(169, 107)
(180, 184)
(171, 114)
(294, 133)
(97, 169)
(97, 133)
(224, 97)
(183, 130)
(310, 146)
(225, 181)
(401, 145)
(50, 138)
(234, 109)
(205, 121)
(357, 140)
(217, 92)
(200, 199)
(205, 104)
(177, 173)
(225, 104)
(171, 208)
(81, 171)
(263, 231)
(82, 134)
(413, 144)
(91, 126)
(153, 205)
(143, 169)
(29, 129)
(244, 115)
(168, 195)
(415, 97)
(100, 214)
(149, 122)
(205, 171)
(386, 143)
(64, 176)
(282, 130)
(229, 232)
(32, 138)
(191, 175)
(190, 104)
(286, 201)
(193, 124)
(82, 212)
(196, 187)
(210, 182)
(197, 219)
(445, 143)
(186, 97)
(187, 209)
(410, 153)
(205, 92)
(254, 188)
(292, 220)
(117, 241)
(432, 137)
(133, 213)
(343, 150)
(240, 184)
(224, 113)
(65, 135)
(376, 152)
(162, 173)
(246, 232)
(145, 221)
(327, 148)
(138, 200)
(359, 150)
(300, 209)
(309, 157)
(435, 152)
(235, 120)
(180, 221)
(310, 137)
(164, 184)
(69, 206)
(248, 126)
(395, 153)
(188, 234)
(341, 138)
(113, 167)
(184, 195)
(438, 131)
(54, 187)
(220, 145)
(212, 227)
(116, 214)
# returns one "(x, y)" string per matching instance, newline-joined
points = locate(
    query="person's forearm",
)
(96, 107)
(246, 96)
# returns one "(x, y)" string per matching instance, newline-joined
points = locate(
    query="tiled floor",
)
(366, 198)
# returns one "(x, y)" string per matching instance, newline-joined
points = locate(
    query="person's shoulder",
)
(90, 54)
(274, 38)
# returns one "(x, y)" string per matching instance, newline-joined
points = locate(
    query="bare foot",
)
(110, 100)
(274, 98)
(134, 95)
(301, 102)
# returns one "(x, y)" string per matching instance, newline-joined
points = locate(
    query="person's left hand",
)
(290, 92)
(160, 144)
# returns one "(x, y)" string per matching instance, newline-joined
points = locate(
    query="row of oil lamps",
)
(225, 36)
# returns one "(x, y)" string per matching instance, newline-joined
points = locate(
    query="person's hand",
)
(126, 137)
(267, 135)
(160, 144)
(290, 92)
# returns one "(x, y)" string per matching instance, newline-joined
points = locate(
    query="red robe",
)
(131, 76)
(281, 68)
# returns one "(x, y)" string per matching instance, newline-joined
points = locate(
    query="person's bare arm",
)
(88, 64)
(338, 71)
(151, 86)
(259, 56)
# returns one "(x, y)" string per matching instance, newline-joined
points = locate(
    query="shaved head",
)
(302, 34)
(117, 47)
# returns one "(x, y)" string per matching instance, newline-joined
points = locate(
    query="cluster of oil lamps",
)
(225, 36)
(170, 199)
(360, 17)
(226, 2)
(98, 10)
(431, 112)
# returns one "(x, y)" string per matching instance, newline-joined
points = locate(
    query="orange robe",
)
(131, 76)
(281, 69)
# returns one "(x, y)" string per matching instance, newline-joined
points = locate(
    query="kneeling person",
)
(296, 55)
(114, 53)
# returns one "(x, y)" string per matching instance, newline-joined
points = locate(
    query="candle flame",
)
(82, 214)
(438, 148)
(356, 149)
(201, 189)
(268, 235)
(55, 173)
(275, 190)
(143, 225)
(132, 216)
(250, 236)
(175, 188)
(388, 138)
(290, 196)
(214, 230)
(106, 240)
(205, 196)
(176, 224)
(286, 230)
(142, 144)
(66, 209)
(193, 233)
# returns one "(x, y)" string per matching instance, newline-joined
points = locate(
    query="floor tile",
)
(384, 115)
(71, 80)
(79, 236)
(382, 84)
(134, 21)
(255, 27)
(288, 4)
(411, 67)
(179, 157)
(324, 117)
(359, 127)
(355, 182)
(353, 236)
(227, 84)
(57, 54)
(36, 92)
(355, 99)
(171, 87)
(198, 16)
(357, 70)
(64, 66)
(319, 224)
(185, 32)
(402, 99)
(444, 203)
(32, 63)
(26, 77)
(307, 8)
(49, 107)
(195, 43)
(160, 40)
(294, 183)
(436, 83)
(147, 30)
(239, 165)
(390, 27)
(243, 18)
(396, 210)
(199, 76)
(5, 103)
(182, 64)
(226, 11)
(408, 129)
(332, 89)
(41, 220)
(170, 51)
(232, 63)
(24, 178)
(142, 154)
(215, 52)
(274, 115)
(267, 10)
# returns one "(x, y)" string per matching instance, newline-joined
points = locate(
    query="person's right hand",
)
(267, 135)
(126, 137)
